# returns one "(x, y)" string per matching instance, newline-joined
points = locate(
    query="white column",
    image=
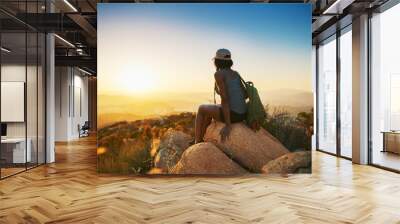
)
(360, 89)
(50, 92)
(50, 100)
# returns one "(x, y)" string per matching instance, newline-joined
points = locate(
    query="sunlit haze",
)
(164, 51)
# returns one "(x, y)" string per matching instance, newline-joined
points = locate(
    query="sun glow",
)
(136, 80)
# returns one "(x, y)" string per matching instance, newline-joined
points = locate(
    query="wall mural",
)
(214, 89)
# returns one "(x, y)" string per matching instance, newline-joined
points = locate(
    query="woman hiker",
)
(229, 86)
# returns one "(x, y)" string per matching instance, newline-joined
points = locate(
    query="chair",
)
(84, 130)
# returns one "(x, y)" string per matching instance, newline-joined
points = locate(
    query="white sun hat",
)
(223, 54)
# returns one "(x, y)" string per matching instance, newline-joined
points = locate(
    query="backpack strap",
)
(245, 84)
(241, 79)
(215, 90)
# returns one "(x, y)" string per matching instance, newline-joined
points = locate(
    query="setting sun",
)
(136, 80)
(162, 66)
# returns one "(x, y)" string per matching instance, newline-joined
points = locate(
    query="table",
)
(13, 150)
(391, 141)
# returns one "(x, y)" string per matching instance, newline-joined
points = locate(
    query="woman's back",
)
(237, 99)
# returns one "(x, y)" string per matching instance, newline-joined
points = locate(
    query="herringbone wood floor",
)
(70, 191)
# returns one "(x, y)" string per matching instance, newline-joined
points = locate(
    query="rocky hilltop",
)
(243, 152)
(164, 146)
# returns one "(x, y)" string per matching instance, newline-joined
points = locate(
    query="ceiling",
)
(75, 22)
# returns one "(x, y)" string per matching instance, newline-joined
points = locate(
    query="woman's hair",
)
(222, 64)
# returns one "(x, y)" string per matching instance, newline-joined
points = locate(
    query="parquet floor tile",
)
(71, 191)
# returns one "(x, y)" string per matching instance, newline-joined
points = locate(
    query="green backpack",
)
(255, 109)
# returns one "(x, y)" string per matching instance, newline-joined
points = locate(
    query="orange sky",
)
(141, 55)
(157, 59)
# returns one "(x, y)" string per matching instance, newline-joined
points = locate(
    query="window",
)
(395, 102)
(385, 89)
(333, 137)
(22, 78)
(327, 95)
(346, 93)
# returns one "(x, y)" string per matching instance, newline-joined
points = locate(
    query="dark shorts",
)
(235, 117)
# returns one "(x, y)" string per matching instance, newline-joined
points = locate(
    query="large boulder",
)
(206, 158)
(250, 149)
(169, 149)
(295, 162)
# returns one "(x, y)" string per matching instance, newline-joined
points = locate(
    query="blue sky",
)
(270, 43)
(286, 24)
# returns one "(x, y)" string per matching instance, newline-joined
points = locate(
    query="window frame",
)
(337, 34)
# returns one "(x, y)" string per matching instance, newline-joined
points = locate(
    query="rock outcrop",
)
(155, 147)
(155, 171)
(244, 150)
(169, 149)
(206, 158)
(251, 150)
(295, 162)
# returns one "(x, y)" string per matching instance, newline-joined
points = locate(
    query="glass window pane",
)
(31, 97)
(327, 96)
(386, 89)
(23, 87)
(13, 86)
(346, 94)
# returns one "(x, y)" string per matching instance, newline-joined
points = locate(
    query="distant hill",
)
(110, 118)
(289, 109)
(114, 108)
(289, 97)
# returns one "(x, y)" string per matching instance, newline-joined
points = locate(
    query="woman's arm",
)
(224, 97)
(216, 89)
(225, 106)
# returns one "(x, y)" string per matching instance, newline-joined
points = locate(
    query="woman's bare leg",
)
(203, 118)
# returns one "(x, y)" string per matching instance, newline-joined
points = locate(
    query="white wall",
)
(62, 81)
(80, 109)
(33, 127)
(12, 73)
(71, 102)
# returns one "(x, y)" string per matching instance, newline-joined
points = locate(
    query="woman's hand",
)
(225, 131)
